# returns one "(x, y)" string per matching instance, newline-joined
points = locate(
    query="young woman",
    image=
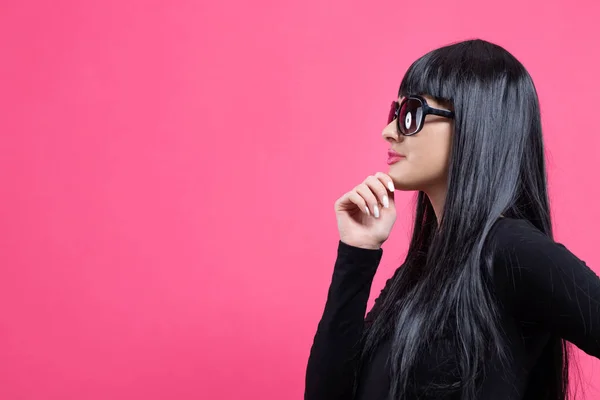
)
(486, 300)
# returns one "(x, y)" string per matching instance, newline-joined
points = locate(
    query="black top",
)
(544, 290)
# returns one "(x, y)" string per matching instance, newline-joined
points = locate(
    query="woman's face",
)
(426, 154)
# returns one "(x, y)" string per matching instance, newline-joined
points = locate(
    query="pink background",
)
(169, 170)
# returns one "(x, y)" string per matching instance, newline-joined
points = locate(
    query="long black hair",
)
(497, 167)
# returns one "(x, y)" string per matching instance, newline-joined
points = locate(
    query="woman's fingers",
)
(380, 188)
(386, 180)
(370, 199)
(359, 201)
(374, 191)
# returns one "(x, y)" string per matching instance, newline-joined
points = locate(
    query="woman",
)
(486, 300)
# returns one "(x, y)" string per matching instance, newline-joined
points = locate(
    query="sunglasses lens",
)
(392, 112)
(410, 116)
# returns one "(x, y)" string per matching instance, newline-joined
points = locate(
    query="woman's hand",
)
(362, 216)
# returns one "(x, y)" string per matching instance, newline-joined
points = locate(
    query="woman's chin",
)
(403, 184)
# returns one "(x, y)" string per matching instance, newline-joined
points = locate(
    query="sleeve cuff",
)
(353, 255)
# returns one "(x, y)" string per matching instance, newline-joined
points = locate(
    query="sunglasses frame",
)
(427, 109)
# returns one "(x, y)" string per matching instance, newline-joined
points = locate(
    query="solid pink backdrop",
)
(169, 170)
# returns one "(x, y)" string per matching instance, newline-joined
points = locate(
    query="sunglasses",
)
(410, 114)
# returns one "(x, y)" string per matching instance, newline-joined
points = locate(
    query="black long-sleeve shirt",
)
(544, 291)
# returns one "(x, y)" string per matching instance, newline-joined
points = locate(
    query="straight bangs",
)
(431, 75)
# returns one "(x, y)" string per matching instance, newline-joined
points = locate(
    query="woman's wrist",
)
(362, 245)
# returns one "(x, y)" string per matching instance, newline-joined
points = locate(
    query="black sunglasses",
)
(410, 114)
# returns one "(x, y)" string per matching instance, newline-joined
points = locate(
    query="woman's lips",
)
(394, 157)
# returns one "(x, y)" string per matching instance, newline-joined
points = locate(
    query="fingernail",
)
(386, 202)
(376, 211)
(391, 186)
(367, 210)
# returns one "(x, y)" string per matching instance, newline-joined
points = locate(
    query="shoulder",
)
(520, 241)
(530, 267)
(517, 247)
(521, 255)
(541, 281)
(512, 233)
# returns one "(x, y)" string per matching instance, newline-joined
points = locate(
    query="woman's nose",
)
(390, 133)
